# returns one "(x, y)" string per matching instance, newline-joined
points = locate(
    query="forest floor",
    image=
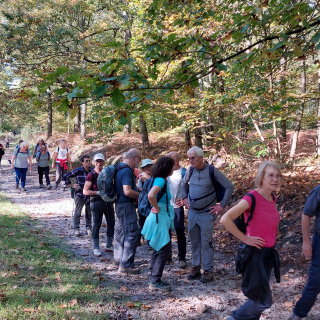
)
(52, 211)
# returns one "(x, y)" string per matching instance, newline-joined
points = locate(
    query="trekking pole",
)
(72, 191)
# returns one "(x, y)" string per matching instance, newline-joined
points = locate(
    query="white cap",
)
(99, 156)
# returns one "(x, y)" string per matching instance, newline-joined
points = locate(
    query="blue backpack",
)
(106, 184)
(144, 206)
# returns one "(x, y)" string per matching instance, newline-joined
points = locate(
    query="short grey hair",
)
(196, 150)
(24, 144)
(132, 153)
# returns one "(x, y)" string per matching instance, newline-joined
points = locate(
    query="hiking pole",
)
(72, 193)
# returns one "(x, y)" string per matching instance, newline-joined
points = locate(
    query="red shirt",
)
(265, 220)
(93, 180)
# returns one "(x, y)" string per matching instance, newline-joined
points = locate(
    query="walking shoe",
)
(89, 232)
(159, 286)
(182, 264)
(41, 186)
(195, 273)
(56, 187)
(126, 271)
(294, 317)
(109, 249)
(49, 186)
(207, 276)
(77, 232)
(97, 252)
(23, 189)
(17, 185)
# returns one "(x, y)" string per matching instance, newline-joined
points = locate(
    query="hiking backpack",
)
(219, 189)
(106, 182)
(144, 206)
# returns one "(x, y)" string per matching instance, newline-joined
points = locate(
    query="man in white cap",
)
(126, 228)
(98, 206)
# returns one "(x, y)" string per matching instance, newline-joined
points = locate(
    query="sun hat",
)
(145, 162)
(98, 156)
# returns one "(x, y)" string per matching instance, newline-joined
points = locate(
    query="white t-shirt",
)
(62, 153)
(175, 186)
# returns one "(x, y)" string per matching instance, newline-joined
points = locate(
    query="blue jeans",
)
(21, 173)
(251, 310)
(126, 234)
(312, 288)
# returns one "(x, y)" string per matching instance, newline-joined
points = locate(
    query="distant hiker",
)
(2, 151)
(126, 229)
(80, 174)
(199, 195)
(99, 207)
(159, 222)
(146, 174)
(42, 158)
(6, 140)
(19, 161)
(38, 146)
(60, 159)
(176, 201)
(311, 251)
(14, 133)
(257, 256)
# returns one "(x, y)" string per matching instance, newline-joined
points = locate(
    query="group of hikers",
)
(162, 191)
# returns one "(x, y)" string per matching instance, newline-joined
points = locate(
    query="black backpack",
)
(144, 206)
(240, 222)
(1, 152)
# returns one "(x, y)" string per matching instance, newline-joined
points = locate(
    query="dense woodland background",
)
(236, 75)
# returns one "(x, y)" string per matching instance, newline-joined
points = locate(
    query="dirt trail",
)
(52, 210)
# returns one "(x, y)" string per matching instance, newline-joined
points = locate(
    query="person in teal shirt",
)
(159, 221)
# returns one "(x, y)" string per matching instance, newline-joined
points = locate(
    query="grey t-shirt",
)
(200, 185)
(43, 159)
(21, 160)
(312, 208)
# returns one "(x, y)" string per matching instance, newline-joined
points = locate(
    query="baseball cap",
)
(98, 156)
(145, 162)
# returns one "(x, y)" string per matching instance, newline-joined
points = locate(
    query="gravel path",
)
(52, 210)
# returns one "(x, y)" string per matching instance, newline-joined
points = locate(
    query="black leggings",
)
(45, 171)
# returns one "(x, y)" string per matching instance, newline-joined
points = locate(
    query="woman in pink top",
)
(258, 255)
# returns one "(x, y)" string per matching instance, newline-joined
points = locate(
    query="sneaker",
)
(41, 186)
(49, 186)
(77, 232)
(206, 277)
(126, 271)
(109, 249)
(294, 317)
(23, 189)
(89, 232)
(97, 252)
(182, 264)
(195, 273)
(159, 286)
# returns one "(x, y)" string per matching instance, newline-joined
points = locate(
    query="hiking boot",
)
(182, 264)
(294, 317)
(109, 249)
(159, 286)
(206, 277)
(49, 187)
(126, 271)
(23, 189)
(89, 232)
(41, 186)
(77, 232)
(17, 186)
(97, 252)
(195, 273)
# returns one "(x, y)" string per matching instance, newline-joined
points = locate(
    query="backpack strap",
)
(183, 172)
(253, 206)
(95, 178)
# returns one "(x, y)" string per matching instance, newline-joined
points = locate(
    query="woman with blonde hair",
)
(19, 161)
(257, 256)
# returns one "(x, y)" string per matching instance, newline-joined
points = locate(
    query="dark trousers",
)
(45, 171)
(312, 288)
(21, 173)
(142, 220)
(98, 209)
(126, 234)
(7, 145)
(158, 262)
(80, 203)
(60, 172)
(0, 159)
(251, 310)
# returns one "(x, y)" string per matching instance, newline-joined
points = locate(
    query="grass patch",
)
(39, 280)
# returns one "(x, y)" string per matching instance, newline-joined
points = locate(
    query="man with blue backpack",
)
(127, 231)
(174, 182)
(203, 187)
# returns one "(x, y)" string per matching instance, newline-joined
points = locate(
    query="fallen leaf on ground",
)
(129, 304)
(72, 302)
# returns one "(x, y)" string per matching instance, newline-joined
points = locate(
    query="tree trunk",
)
(244, 125)
(283, 121)
(188, 138)
(144, 130)
(300, 113)
(68, 122)
(76, 127)
(49, 119)
(127, 128)
(83, 108)
(198, 136)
